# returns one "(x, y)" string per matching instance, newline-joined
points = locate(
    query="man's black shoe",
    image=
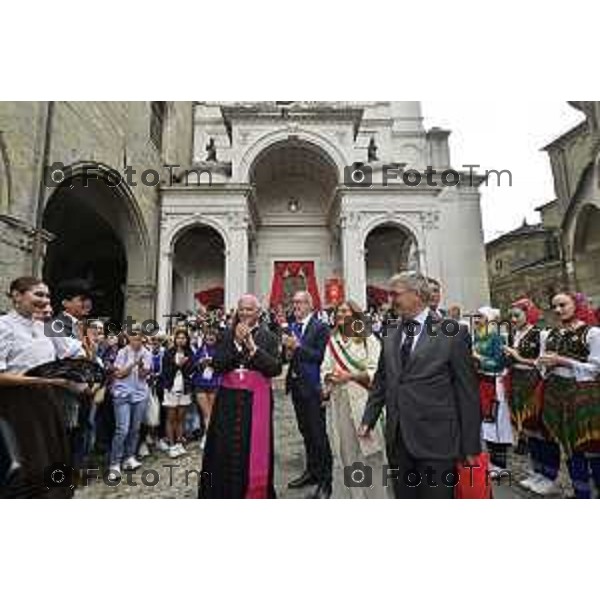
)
(322, 492)
(305, 479)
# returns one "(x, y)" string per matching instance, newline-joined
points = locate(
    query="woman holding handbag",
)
(132, 367)
(178, 368)
(205, 380)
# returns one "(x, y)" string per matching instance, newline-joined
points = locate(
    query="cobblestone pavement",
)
(177, 477)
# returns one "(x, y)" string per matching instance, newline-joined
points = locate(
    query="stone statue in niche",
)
(372, 151)
(211, 151)
(413, 260)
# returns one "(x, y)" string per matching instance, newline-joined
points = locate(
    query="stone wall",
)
(112, 134)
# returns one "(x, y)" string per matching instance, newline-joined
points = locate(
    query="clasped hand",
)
(244, 337)
(338, 376)
(290, 342)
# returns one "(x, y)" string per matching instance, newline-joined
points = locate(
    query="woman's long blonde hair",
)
(356, 314)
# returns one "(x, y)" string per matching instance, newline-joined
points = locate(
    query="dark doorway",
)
(87, 244)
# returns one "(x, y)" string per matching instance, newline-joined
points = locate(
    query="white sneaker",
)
(172, 451)
(114, 473)
(162, 446)
(132, 463)
(530, 481)
(203, 443)
(543, 486)
(144, 450)
(180, 450)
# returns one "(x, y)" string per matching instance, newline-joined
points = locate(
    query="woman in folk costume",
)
(238, 457)
(488, 352)
(570, 362)
(347, 371)
(525, 396)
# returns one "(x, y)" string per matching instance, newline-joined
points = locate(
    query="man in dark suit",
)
(305, 350)
(427, 383)
(435, 297)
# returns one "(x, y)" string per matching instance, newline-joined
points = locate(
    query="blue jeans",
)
(129, 414)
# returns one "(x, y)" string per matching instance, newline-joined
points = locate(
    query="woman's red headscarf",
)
(583, 310)
(532, 312)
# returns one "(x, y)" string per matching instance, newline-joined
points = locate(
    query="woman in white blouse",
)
(32, 407)
(23, 343)
(570, 362)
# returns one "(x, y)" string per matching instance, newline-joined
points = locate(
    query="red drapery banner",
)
(285, 269)
(334, 291)
(214, 297)
(376, 296)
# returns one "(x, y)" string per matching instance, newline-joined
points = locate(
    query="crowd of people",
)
(386, 394)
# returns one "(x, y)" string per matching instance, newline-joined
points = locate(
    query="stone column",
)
(140, 301)
(236, 260)
(178, 134)
(165, 287)
(465, 253)
(353, 258)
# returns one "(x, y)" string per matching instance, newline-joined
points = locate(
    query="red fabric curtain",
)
(211, 297)
(294, 269)
(311, 283)
(276, 297)
(376, 296)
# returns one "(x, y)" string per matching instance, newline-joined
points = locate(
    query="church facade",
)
(279, 193)
(266, 197)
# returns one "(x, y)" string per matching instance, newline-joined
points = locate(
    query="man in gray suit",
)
(428, 385)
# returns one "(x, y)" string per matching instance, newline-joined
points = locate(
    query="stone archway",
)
(388, 249)
(198, 268)
(223, 237)
(295, 183)
(5, 177)
(99, 237)
(293, 136)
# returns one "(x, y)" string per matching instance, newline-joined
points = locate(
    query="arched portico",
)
(100, 236)
(389, 248)
(299, 136)
(212, 235)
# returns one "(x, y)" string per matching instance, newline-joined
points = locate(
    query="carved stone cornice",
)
(394, 189)
(238, 221)
(140, 291)
(430, 219)
(206, 189)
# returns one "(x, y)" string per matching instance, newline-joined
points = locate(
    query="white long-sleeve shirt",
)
(578, 370)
